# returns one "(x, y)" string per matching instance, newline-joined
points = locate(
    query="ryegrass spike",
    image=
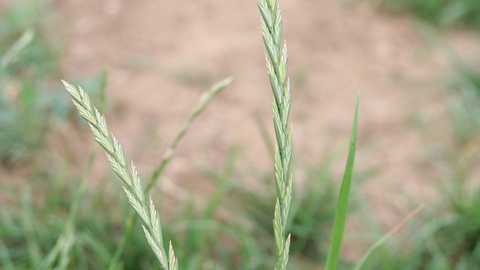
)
(116, 156)
(277, 61)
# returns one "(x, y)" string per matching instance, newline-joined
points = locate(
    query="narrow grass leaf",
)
(342, 204)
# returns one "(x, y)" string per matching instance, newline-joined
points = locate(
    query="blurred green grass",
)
(24, 73)
(447, 236)
(464, 101)
(30, 93)
(439, 12)
(203, 239)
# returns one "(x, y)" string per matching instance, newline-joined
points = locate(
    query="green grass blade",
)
(342, 204)
(382, 240)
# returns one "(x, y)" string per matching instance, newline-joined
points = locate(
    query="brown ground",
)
(162, 54)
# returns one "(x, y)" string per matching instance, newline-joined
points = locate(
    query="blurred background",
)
(146, 63)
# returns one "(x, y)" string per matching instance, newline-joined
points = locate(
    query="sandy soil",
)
(162, 54)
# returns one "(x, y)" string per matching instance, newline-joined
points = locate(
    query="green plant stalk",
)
(342, 204)
(168, 155)
(199, 107)
(222, 186)
(18, 46)
(123, 242)
(103, 91)
(66, 237)
(382, 240)
(28, 227)
(277, 61)
(132, 183)
(13, 51)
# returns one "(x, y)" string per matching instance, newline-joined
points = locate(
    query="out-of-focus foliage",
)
(25, 76)
(448, 237)
(31, 99)
(464, 98)
(440, 12)
(229, 229)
